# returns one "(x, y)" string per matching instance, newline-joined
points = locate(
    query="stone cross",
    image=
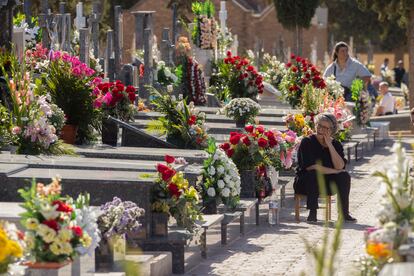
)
(235, 45)
(314, 51)
(84, 45)
(281, 53)
(80, 20)
(43, 24)
(19, 42)
(259, 53)
(94, 24)
(223, 16)
(167, 48)
(143, 20)
(27, 7)
(118, 38)
(148, 63)
(174, 23)
(66, 29)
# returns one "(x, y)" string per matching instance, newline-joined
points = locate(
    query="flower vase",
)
(68, 134)
(159, 224)
(248, 183)
(210, 206)
(110, 131)
(241, 123)
(49, 268)
(110, 253)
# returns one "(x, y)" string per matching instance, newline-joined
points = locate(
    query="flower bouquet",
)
(164, 75)
(172, 195)
(183, 124)
(205, 31)
(334, 88)
(117, 219)
(192, 80)
(362, 110)
(395, 214)
(52, 233)
(299, 123)
(300, 72)
(242, 79)
(220, 181)
(272, 70)
(12, 246)
(242, 110)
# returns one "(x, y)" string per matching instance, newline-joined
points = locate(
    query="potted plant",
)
(220, 182)
(117, 100)
(173, 196)
(183, 124)
(52, 236)
(69, 82)
(12, 247)
(242, 110)
(117, 219)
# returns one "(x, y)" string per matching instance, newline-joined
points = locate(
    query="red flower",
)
(294, 69)
(292, 56)
(141, 70)
(249, 128)
(298, 59)
(234, 140)
(131, 97)
(230, 153)
(167, 174)
(169, 159)
(269, 134)
(173, 189)
(288, 64)
(262, 142)
(120, 86)
(228, 53)
(77, 231)
(62, 207)
(246, 141)
(250, 68)
(191, 121)
(52, 224)
(272, 143)
(130, 89)
(225, 146)
(260, 129)
(162, 168)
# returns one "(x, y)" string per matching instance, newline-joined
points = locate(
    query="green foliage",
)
(356, 88)
(295, 13)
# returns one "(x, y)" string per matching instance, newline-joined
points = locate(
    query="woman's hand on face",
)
(327, 138)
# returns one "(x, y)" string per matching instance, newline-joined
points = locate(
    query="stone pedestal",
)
(248, 184)
(49, 269)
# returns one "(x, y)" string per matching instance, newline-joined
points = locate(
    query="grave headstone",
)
(143, 20)
(43, 24)
(109, 57)
(281, 51)
(174, 23)
(223, 16)
(94, 23)
(148, 62)
(27, 8)
(167, 48)
(66, 30)
(84, 45)
(62, 7)
(19, 42)
(6, 22)
(118, 38)
(126, 75)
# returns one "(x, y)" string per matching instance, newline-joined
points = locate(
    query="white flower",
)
(220, 170)
(170, 88)
(211, 170)
(221, 184)
(225, 192)
(49, 211)
(211, 192)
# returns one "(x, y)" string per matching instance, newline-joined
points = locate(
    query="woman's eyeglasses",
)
(322, 127)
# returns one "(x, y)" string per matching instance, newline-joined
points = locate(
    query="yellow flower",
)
(86, 240)
(65, 235)
(15, 249)
(47, 233)
(56, 247)
(191, 192)
(67, 248)
(32, 223)
(379, 250)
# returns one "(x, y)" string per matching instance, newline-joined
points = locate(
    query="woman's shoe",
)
(349, 218)
(312, 215)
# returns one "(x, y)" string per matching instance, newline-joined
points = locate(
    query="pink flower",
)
(97, 103)
(16, 130)
(66, 57)
(77, 71)
(107, 98)
(286, 159)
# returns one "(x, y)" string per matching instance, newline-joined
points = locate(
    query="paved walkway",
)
(280, 250)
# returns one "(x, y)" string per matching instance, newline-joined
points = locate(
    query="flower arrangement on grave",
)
(183, 124)
(272, 70)
(242, 110)
(173, 195)
(70, 84)
(12, 246)
(183, 46)
(93, 61)
(334, 88)
(205, 31)
(33, 34)
(164, 75)
(114, 99)
(395, 214)
(192, 79)
(362, 109)
(118, 218)
(299, 123)
(224, 41)
(52, 233)
(300, 72)
(242, 78)
(28, 121)
(220, 180)
(37, 59)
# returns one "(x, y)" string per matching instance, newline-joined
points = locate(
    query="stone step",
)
(151, 263)
(265, 111)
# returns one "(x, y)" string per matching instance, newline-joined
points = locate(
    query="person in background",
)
(346, 69)
(384, 67)
(387, 104)
(399, 73)
(321, 153)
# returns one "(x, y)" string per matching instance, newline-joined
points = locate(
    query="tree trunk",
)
(410, 31)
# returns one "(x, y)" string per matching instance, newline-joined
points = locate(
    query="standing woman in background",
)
(346, 69)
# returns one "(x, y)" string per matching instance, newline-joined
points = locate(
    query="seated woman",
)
(319, 152)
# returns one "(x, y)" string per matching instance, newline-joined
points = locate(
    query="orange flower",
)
(379, 250)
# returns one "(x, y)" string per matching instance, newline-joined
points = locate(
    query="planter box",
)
(49, 269)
